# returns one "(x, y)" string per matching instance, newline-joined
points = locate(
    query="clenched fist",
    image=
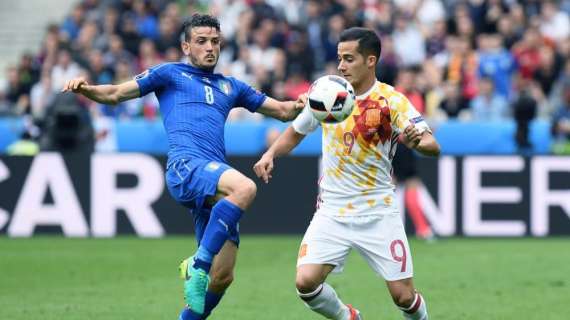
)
(74, 85)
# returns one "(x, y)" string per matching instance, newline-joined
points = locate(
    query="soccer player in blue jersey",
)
(194, 103)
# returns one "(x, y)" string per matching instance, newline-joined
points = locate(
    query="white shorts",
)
(382, 242)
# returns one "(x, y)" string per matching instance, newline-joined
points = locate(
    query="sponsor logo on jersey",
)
(142, 75)
(212, 166)
(189, 76)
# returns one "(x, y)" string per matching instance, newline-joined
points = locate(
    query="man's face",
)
(351, 64)
(203, 48)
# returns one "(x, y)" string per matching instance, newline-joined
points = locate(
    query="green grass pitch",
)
(130, 278)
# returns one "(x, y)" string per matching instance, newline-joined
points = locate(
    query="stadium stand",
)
(489, 72)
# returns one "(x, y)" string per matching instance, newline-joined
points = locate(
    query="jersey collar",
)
(367, 93)
(199, 71)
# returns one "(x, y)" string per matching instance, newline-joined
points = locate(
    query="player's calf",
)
(220, 280)
(324, 300)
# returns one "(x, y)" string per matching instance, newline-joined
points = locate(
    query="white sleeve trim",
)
(305, 123)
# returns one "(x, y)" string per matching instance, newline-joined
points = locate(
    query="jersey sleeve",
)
(403, 113)
(305, 123)
(248, 97)
(152, 79)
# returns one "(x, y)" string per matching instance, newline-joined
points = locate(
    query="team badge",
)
(225, 87)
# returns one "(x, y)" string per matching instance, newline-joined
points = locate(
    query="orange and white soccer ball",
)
(331, 99)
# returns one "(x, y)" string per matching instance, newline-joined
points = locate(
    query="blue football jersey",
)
(194, 104)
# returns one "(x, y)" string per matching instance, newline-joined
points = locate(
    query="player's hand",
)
(301, 101)
(74, 85)
(263, 167)
(412, 136)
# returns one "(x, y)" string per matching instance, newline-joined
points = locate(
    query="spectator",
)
(146, 22)
(554, 24)
(489, 105)
(63, 70)
(548, 69)
(406, 84)
(527, 52)
(168, 34)
(561, 122)
(453, 102)
(409, 43)
(497, 63)
(17, 95)
(296, 84)
(387, 67)
(41, 96)
(129, 33)
(462, 66)
(97, 69)
(116, 52)
(72, 23)
(506, 29)
(299, 54)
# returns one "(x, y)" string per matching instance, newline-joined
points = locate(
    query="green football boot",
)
(195, 285)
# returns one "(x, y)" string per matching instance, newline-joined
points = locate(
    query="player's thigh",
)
(235, 187)
(326, 242)
(384, 246)
(191, 182)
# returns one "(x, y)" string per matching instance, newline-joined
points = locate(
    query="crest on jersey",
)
(225, 87)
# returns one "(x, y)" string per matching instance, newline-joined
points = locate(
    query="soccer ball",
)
(331, 99)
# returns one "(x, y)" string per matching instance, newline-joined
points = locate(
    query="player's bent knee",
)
(247, 191)
(305, 283)
(403, 298)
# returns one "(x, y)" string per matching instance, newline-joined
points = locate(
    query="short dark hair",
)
(199, 20)
(368, 41)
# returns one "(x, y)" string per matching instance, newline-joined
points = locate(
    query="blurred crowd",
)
(470, 60)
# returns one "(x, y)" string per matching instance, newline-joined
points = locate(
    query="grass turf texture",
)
(130, 278)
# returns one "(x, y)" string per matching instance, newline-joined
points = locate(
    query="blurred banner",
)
(105, 194)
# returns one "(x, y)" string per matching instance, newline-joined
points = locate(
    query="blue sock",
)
(204, 255)
(223, 218)
(188, 314)
(212, 300)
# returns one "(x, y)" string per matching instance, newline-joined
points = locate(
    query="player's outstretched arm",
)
(288, 140)
(107, 93)
(283, 110)
(423, 142)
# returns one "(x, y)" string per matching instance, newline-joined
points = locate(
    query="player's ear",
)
(185, 46)
(371, 61)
